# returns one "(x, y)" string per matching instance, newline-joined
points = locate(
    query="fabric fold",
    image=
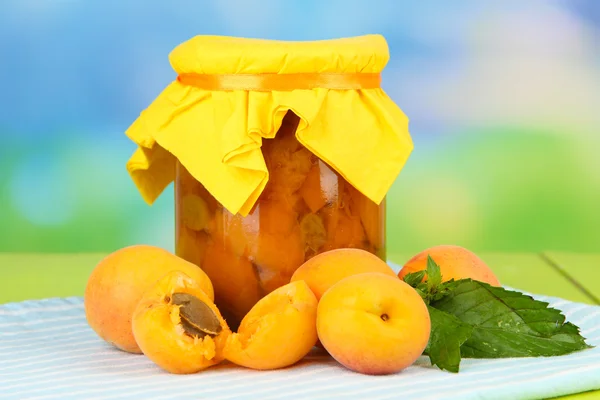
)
(217, 134)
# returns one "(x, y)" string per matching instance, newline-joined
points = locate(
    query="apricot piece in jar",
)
(313, 230)
(277, 256)
(287, 160)
(276, 217)
(278, 331)
(178, 327)
(289, 173)
(191, 245)
(343, 230)
(236, 233)
(370, 214)
(313, 191)
(195, 212)
(186, 184)
(234, 280)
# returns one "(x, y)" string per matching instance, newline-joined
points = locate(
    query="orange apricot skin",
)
(326, 269)
(155, 325)
(119, 281)
(352, 328)
(455, 263)
(278, 331)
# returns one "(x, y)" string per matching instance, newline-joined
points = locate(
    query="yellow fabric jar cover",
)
(217, 134)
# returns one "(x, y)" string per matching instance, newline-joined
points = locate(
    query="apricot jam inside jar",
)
(279, 151)
(306, 208)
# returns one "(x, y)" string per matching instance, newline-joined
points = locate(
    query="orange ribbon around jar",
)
(282, 82)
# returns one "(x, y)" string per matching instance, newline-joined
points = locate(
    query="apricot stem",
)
(385, 317)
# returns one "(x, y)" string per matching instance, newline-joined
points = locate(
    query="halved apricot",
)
(278, 331)
(178, 327)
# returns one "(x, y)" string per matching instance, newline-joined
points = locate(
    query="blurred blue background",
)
(503, 97)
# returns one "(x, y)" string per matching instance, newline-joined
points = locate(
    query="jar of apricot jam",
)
(305, 209)
(278, 150)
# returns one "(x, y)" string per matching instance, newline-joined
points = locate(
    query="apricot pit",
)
(197, 318)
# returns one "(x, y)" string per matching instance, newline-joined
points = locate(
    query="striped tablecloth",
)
(48, 351)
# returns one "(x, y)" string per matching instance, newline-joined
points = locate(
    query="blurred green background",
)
(503, 97)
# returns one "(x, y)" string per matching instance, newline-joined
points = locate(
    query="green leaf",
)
(434, 275)
(508, 323)
(448, 333)
(423, 295)
(414, 278)
(442, 290)
(429, 290)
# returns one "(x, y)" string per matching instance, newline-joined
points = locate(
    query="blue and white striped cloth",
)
(47, 351)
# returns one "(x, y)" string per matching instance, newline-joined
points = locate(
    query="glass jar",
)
(305, 209)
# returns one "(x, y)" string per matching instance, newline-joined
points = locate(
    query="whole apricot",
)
(278, 331)
(178, 327)
(455, 263)
(326, 269)
(373, 323)
(118, 282)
